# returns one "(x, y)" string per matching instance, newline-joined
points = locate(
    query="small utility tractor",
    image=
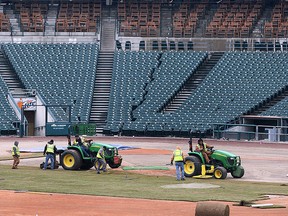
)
(223, 162)
(73, 158)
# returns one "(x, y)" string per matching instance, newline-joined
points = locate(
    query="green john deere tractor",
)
(73, 157)
(223, 162)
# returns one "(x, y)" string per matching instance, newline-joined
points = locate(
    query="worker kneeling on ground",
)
(49, 150)
(203, 148)
(178, 158)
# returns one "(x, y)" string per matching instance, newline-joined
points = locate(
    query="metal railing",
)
(269, 133)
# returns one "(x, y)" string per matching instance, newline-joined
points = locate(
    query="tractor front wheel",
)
(220, 173)
(238, 173)
(87, 165)
(192, 166)
(114, 166)
(71, 160)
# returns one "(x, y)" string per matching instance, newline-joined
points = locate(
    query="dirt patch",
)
(43, 204)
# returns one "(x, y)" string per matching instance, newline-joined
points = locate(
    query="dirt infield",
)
(41, 204)
(262, 162)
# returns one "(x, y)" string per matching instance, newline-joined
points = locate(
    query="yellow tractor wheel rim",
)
(218, 174)
(189, 167)
(69, 160)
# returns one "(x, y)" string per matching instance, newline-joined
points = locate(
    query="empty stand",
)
(63, 74)
(131, 73)
(78, 17)
(277, 27)
(139, 19)
(8, 117)
(32, 16)
(276, 105)
(5, 25)
(186, 18)
(192, 83)
(235, 19)
(220, 98)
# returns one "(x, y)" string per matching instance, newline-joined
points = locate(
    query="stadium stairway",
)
(12, 18)
(266, 16)
(166, 21)
(51, 19)
(108, 23)
(193, 82)
(9, 76)
(100, 102)
(102, 85)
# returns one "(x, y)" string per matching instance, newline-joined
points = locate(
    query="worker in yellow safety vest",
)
(50, 150)
(16, 155)
(178, 158)
(203, 148)
(101, 163)
(79, 140)
(83, 143)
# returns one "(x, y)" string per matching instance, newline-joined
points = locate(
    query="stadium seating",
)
(280, 109)
(186, 18)
(78, 17)
(234, 19)
(278, 26)
(7, 114)
(32, 16)
(63, 74)
(135, 95)
(4, 23)
(139, 19)
(233, 87)
(131, 73)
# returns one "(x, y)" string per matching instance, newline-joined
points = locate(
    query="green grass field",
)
(125, 184)
(23, 156)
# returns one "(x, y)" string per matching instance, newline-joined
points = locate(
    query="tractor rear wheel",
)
(238, 173)
(71, 160)
(192, 166)
(220, 173)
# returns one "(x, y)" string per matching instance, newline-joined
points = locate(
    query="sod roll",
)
(212, 208)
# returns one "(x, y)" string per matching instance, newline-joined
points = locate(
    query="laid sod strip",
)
(23, 156)
(145, 168)
(132, 185)
(270, 207)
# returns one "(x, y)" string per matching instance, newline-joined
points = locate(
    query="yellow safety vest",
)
(178, 155)
(82, 140)
(99, 155)
(204, 146)
(50, 148)
(17, 150)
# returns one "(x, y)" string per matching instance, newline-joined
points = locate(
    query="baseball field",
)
(32, 191)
